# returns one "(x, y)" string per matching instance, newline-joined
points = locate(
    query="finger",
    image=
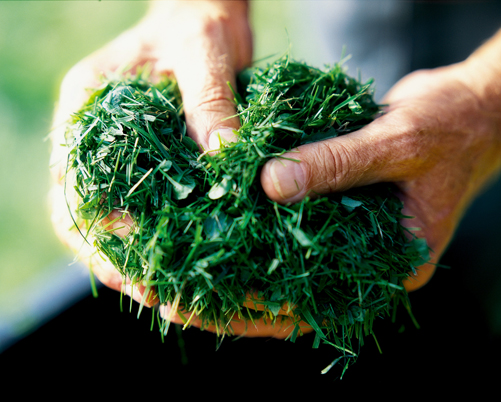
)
(378, 152)
(236, 325)
(254, 302)
(437, 232)
(421, 277)
(203, 71)
(142, 294)
(208, 103)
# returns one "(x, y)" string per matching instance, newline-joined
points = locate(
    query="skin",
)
(439, 139)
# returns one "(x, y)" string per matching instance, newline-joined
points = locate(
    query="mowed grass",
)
(39, 42)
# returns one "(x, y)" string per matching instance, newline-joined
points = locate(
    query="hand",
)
(439, 141)
(203, 44)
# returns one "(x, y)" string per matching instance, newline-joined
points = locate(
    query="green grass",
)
(39, 42)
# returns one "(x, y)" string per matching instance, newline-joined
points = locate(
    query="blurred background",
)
(45, 302)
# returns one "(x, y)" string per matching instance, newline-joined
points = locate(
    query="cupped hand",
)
(437, 140)
(203, 44)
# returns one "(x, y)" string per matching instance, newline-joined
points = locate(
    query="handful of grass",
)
(205, 235)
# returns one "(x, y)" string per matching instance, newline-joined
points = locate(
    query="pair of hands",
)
(439, 139)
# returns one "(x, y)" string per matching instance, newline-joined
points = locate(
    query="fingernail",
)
(220, 136)
(287, 177)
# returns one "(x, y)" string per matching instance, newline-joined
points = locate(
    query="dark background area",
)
(455, 350)
(452, 352)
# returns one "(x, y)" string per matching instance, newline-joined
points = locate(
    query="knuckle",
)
(214, 95)
(335, 165)
(406, 150)
(412, 147)
(324, 166)
(407, 144)
(214, 27)
(213, 104)
(209, 24)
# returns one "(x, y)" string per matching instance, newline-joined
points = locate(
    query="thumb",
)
(367, 156)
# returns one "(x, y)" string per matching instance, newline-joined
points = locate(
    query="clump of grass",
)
(205, 235)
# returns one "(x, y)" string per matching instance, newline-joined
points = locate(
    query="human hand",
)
(438, 141)
(203, 44)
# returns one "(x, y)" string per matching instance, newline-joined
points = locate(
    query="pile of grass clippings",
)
(205, 235)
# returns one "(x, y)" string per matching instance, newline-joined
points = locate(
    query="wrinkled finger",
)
(207, 98)
(215, 47)
(361, 158)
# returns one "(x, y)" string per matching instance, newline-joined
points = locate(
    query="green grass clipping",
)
(205, 235)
